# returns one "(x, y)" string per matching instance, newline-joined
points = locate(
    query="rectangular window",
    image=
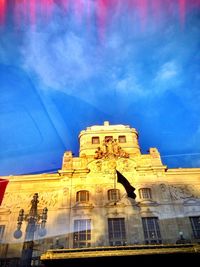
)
(116, 231)
(95, 140)
(195, 222)
(82, 196)
(151, 230)
(145, 193)
(108, 138)
(122, 139)
(2, 228)
(82, 233)
(113, 194)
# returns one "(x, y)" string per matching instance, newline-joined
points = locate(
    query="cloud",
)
(129, 85)
(168, 77)
(60, 61)
(168, 71)
(69, 56)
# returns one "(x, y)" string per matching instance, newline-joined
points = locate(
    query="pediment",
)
(191, 202)
(148, 202)
(83, 205)
(4, 211)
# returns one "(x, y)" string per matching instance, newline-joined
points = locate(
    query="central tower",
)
(109, 141)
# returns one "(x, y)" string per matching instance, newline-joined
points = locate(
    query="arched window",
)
(82, 196)
(113, 194)
(145, 193)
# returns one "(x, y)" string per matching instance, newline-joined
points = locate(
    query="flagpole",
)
(115, 185)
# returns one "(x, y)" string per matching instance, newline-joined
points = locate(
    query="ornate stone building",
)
(90, 202)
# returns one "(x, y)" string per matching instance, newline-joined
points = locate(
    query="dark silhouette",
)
(129, 188)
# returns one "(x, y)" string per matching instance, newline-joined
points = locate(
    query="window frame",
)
(120, 138)
(113, 194)
(195, 224)
(108, 138)
(151, 229)
(117, 231)
(95, 138)
(145, 193)
(82, 196)
(2, 230)
(82, 237)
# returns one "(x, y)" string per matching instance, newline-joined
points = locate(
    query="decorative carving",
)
(49, 199)
(65, 196)
(110, 165)
(83, 205)
(154, 152)
(83, 160)
(123, 165)
(67, 160)
(180, 192)
(98, 165)
(99, 189)
(110, 149)
(15, 201)
(165, 191)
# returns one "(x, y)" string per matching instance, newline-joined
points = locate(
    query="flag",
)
(3, 184)
(129, 188)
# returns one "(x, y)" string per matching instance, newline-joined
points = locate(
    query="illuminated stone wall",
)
(173, 195)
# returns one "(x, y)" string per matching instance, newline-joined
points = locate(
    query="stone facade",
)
(87, 206)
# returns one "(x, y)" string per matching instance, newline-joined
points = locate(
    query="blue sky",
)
(131, 63)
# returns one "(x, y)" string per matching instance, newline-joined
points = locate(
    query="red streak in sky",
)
(101, 16)
(47, 6)
(143, 12)
(64, 4)
(156, 7)
(78, 9)
(182, 9)
(29, 11)
(32, 7)
(2, 11)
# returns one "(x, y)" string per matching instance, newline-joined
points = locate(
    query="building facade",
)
(85, 204)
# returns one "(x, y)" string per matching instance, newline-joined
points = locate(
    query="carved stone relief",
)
(109, 166)
(49, 199)
(67, 160)
(180, 192)
(110, 149)
(99, 189)
(65, 196)
(165, 194)
(15, 201)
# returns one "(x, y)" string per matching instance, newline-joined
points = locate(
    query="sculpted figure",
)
(98, 153)
(115, 148)
(110, 147)
(104, 148)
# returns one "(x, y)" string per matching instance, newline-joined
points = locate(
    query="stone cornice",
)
(33, 177)
(152, 168)
(180, 171)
